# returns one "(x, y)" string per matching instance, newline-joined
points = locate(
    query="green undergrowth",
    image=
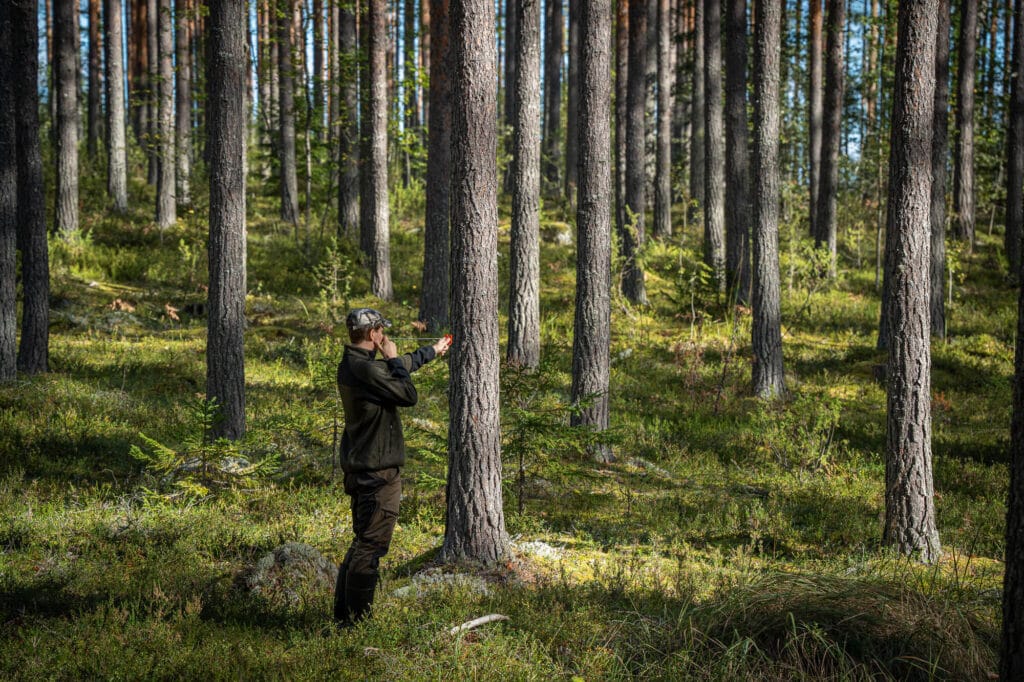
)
(729, 539)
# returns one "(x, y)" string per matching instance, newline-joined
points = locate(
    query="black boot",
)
(359, 591)
(342, 618)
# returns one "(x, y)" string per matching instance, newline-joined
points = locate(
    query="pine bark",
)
(33, 348)
(1015, 150)
(680, 121)
(737, 152)
(592, 326)
(511, 41)
(95, 80)
(909, 505)
(475, 523)
(319, 63)
(117, 148)
(815, 98)
(286, 113)
(412, 114)
(524, 250)
(65, 24)
(636, 177)
(348, 121)
(183, 100)
(621, 79)
(434, 305)
(226, 69)
(697, 114)
(940, 157)
(663, 164)
(714, 145)
(572, 138)
(152, 133)
(374, 171)
(963, 175)
(553, 92)
(8, 203)
(138, 69)
(766, 328)
(832, 112)
(166, 190)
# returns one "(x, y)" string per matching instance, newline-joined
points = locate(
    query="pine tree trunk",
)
(65, 23)
(572, 139)
(374, 175)
(226, 77)
(828, 181)
(815, 99)
(621, 79)
(697, 160)
(95, 79)
(553, 92)
(475, 522)
(117, 151)
(872, 60)
(425, 31)
(437, 257)
(940, 157)
(33, 348)
(524, 251)
(737, 154)
(511, 41)
(8, 203)
(286, 114)
(138, 69)
(348, 122)
(663, 169)
(166, 201)
(319, 62)
(766, 327)
(963, 175)
(714, 145)
(412, 114)
(152, 91)
(183, 98)
(1015, 150)
(636, 176)
(592, 326)
(680, 121)
(909, 504)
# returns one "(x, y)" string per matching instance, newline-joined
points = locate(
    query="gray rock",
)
(289, 572)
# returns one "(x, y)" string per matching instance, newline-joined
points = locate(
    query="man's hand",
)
(387, 348)
(443, 344)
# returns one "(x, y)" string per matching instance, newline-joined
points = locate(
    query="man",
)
(372, 450)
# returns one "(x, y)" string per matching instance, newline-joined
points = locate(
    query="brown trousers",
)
(375, 497)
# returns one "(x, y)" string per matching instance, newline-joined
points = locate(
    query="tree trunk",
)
(138, 69)
(909, 504)
(524, 265)
(117, 151)
(872, 60)
(636, 180)
(8, 203)
(572, 140)
(33, 348)
(592, 326)
(152, 91)
(475, 523)
(319, 62)
(412, 115)
(437, 257)
(65, 23)
(714, 145)
(511, 43)
(663, 169)
(166, 201)
(183, 95)
(374, 176)
(766, 327)
(815, 98)
(226, 66)
(828, 182)
(963, 175)
(553, 91)
(286, 114)
(697, 136)
(940, 156)
(348, 123)
(621, 79)
(737, 154)
(680, 121)
(1015, 150)
(95, 79)
(425, 30)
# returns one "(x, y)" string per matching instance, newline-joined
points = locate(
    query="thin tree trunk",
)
(621, 79)
(697, 152)
(374, 176)
(319, 63)
(680, 121)
(286, 114)
(663, 170)
(226, 77)
(909, 504)
(592, 325)
(8, 203)
(412, 114)
(737, 154)
(95, 79)
(572, 139)
(524, 251)
(65, 24)
(437, 258)
(1015, 150)
(166, 201)
(152, 91)
(553, 91)
(816, 100)
(963, 176)
(714, 145)
(117, 151)
(636, 181)
(940, 158)
(475, 522)
(348, 121)
(831, 134)
(425, 31)
(872, 58)
(183, 95)
(511, 43)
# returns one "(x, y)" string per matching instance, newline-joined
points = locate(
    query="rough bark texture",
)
(524, 251)
(828, 181)
(319, 63)
(65, 24)
(636, 181)
(940, 157)
(663, 167)
(152, 91)
(434, 303)
(681, 36)
(117, 148)
(553, 91)
(737, 153)
(95, 79)
(572, 109)
(183, 98)
(374, 171)
(815, 103)
(511, 60)
(138, 76)
(697, 113)
(226, 116)
(909, 504)
(766, 327)
(348, 123)
(286, 114)
(963, 174)
(166, 190)
(1015, 151)
(475, 523)
(591, 330)
(621, 78)
(714, 144)
(8, 203)
(33, 348)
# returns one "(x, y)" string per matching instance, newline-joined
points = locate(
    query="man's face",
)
(377, 335)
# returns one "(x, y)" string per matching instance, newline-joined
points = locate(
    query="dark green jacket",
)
(371, 393)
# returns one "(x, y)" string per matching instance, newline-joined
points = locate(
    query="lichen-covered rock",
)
(288, 572)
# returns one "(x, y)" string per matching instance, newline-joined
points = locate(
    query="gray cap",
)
(365, 318)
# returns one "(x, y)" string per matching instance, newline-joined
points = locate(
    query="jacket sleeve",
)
(419, 357)
(389, 382)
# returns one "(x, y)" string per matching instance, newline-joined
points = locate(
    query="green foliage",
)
(799, 433)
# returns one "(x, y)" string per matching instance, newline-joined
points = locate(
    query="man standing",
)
(372, 450)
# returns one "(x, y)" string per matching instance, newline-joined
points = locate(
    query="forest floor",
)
(729, 540)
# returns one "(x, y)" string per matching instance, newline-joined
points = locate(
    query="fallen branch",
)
(476, 622)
